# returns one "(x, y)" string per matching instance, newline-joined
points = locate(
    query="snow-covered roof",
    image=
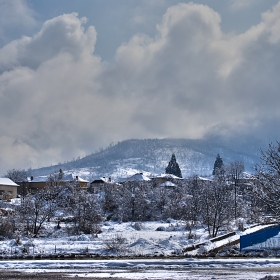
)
(7, 182)
(138, 177)
(103, 180)
(66, 178)
(247, 175)
(37, 179)
(72, 177)
(204, 179)
(168, 184)
(168, 176)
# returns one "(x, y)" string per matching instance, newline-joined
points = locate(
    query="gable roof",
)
(103, 180)
(66, 178)
(138, 177)
(7, 182)
(37, 179)
(168, 176)
(72, 177)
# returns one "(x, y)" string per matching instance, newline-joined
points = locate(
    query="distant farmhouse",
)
(167, 181)
(33, 184)
(8, 189)
(101, 184)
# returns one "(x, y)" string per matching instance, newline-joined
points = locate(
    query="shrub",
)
(95, 229)
(161, 228)
(116, 243)
(7, 227)
(137, 226)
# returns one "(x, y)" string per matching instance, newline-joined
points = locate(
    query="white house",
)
(8, 189)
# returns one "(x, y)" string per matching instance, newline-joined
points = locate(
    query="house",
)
(33, 184)
(8, 189)
(101, 184)
(71, 178)
(161, 179)
(137, 177)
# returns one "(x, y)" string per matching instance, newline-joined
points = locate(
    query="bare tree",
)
(193, 202)
(267, 181)
(216, 198)
(16, 175)
(134, 201)
(38, 208)
(234, 172)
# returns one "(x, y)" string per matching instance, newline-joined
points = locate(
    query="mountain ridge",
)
(195, 156)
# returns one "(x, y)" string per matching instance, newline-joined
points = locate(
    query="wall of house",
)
(8, 192)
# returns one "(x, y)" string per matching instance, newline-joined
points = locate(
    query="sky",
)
(76, 75)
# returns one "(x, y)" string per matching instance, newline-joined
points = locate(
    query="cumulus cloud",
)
(47, 91)
(64, 34)
(58, 99)
(15, 17)
(198, 78)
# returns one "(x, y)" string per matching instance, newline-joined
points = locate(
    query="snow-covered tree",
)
(234, 171)
(193, 202)
(36, 209)
(134, 199)
(216, 201)
(173, 167)
(267, 181)
(16, 175)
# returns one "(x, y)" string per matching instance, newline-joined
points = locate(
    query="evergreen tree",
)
(173, 167)
(218, 164)
(60, 174)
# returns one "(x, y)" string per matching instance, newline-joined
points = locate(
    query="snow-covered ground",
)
(146, 241)
(128, 239)
(152, 269)
(140, 239)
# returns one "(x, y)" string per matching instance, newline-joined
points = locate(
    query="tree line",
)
(212, 203)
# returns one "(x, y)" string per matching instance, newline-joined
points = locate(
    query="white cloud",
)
(15, 16)
(62, 34)
(58, 100)
(242, 4)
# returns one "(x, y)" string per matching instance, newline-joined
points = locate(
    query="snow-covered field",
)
(141, 242)
(118, 239)
(77, 255)
(132, 250)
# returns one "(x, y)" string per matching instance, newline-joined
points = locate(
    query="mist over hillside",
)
(152, 156)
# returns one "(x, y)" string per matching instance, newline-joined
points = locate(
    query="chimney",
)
(77, 177)
(109, 179)
(31, 178)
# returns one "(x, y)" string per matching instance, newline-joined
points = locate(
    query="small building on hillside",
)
(137, 177)
(34, 184)
(8, 189)
(161, 179)
(71, 178)
(101, 184)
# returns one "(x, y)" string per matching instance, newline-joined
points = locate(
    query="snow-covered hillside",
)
(151, 156)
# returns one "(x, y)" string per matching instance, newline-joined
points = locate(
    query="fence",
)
(262, 239)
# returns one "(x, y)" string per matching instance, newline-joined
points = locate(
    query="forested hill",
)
(153, 155)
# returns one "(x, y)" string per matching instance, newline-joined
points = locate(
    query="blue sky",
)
(78, 75)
